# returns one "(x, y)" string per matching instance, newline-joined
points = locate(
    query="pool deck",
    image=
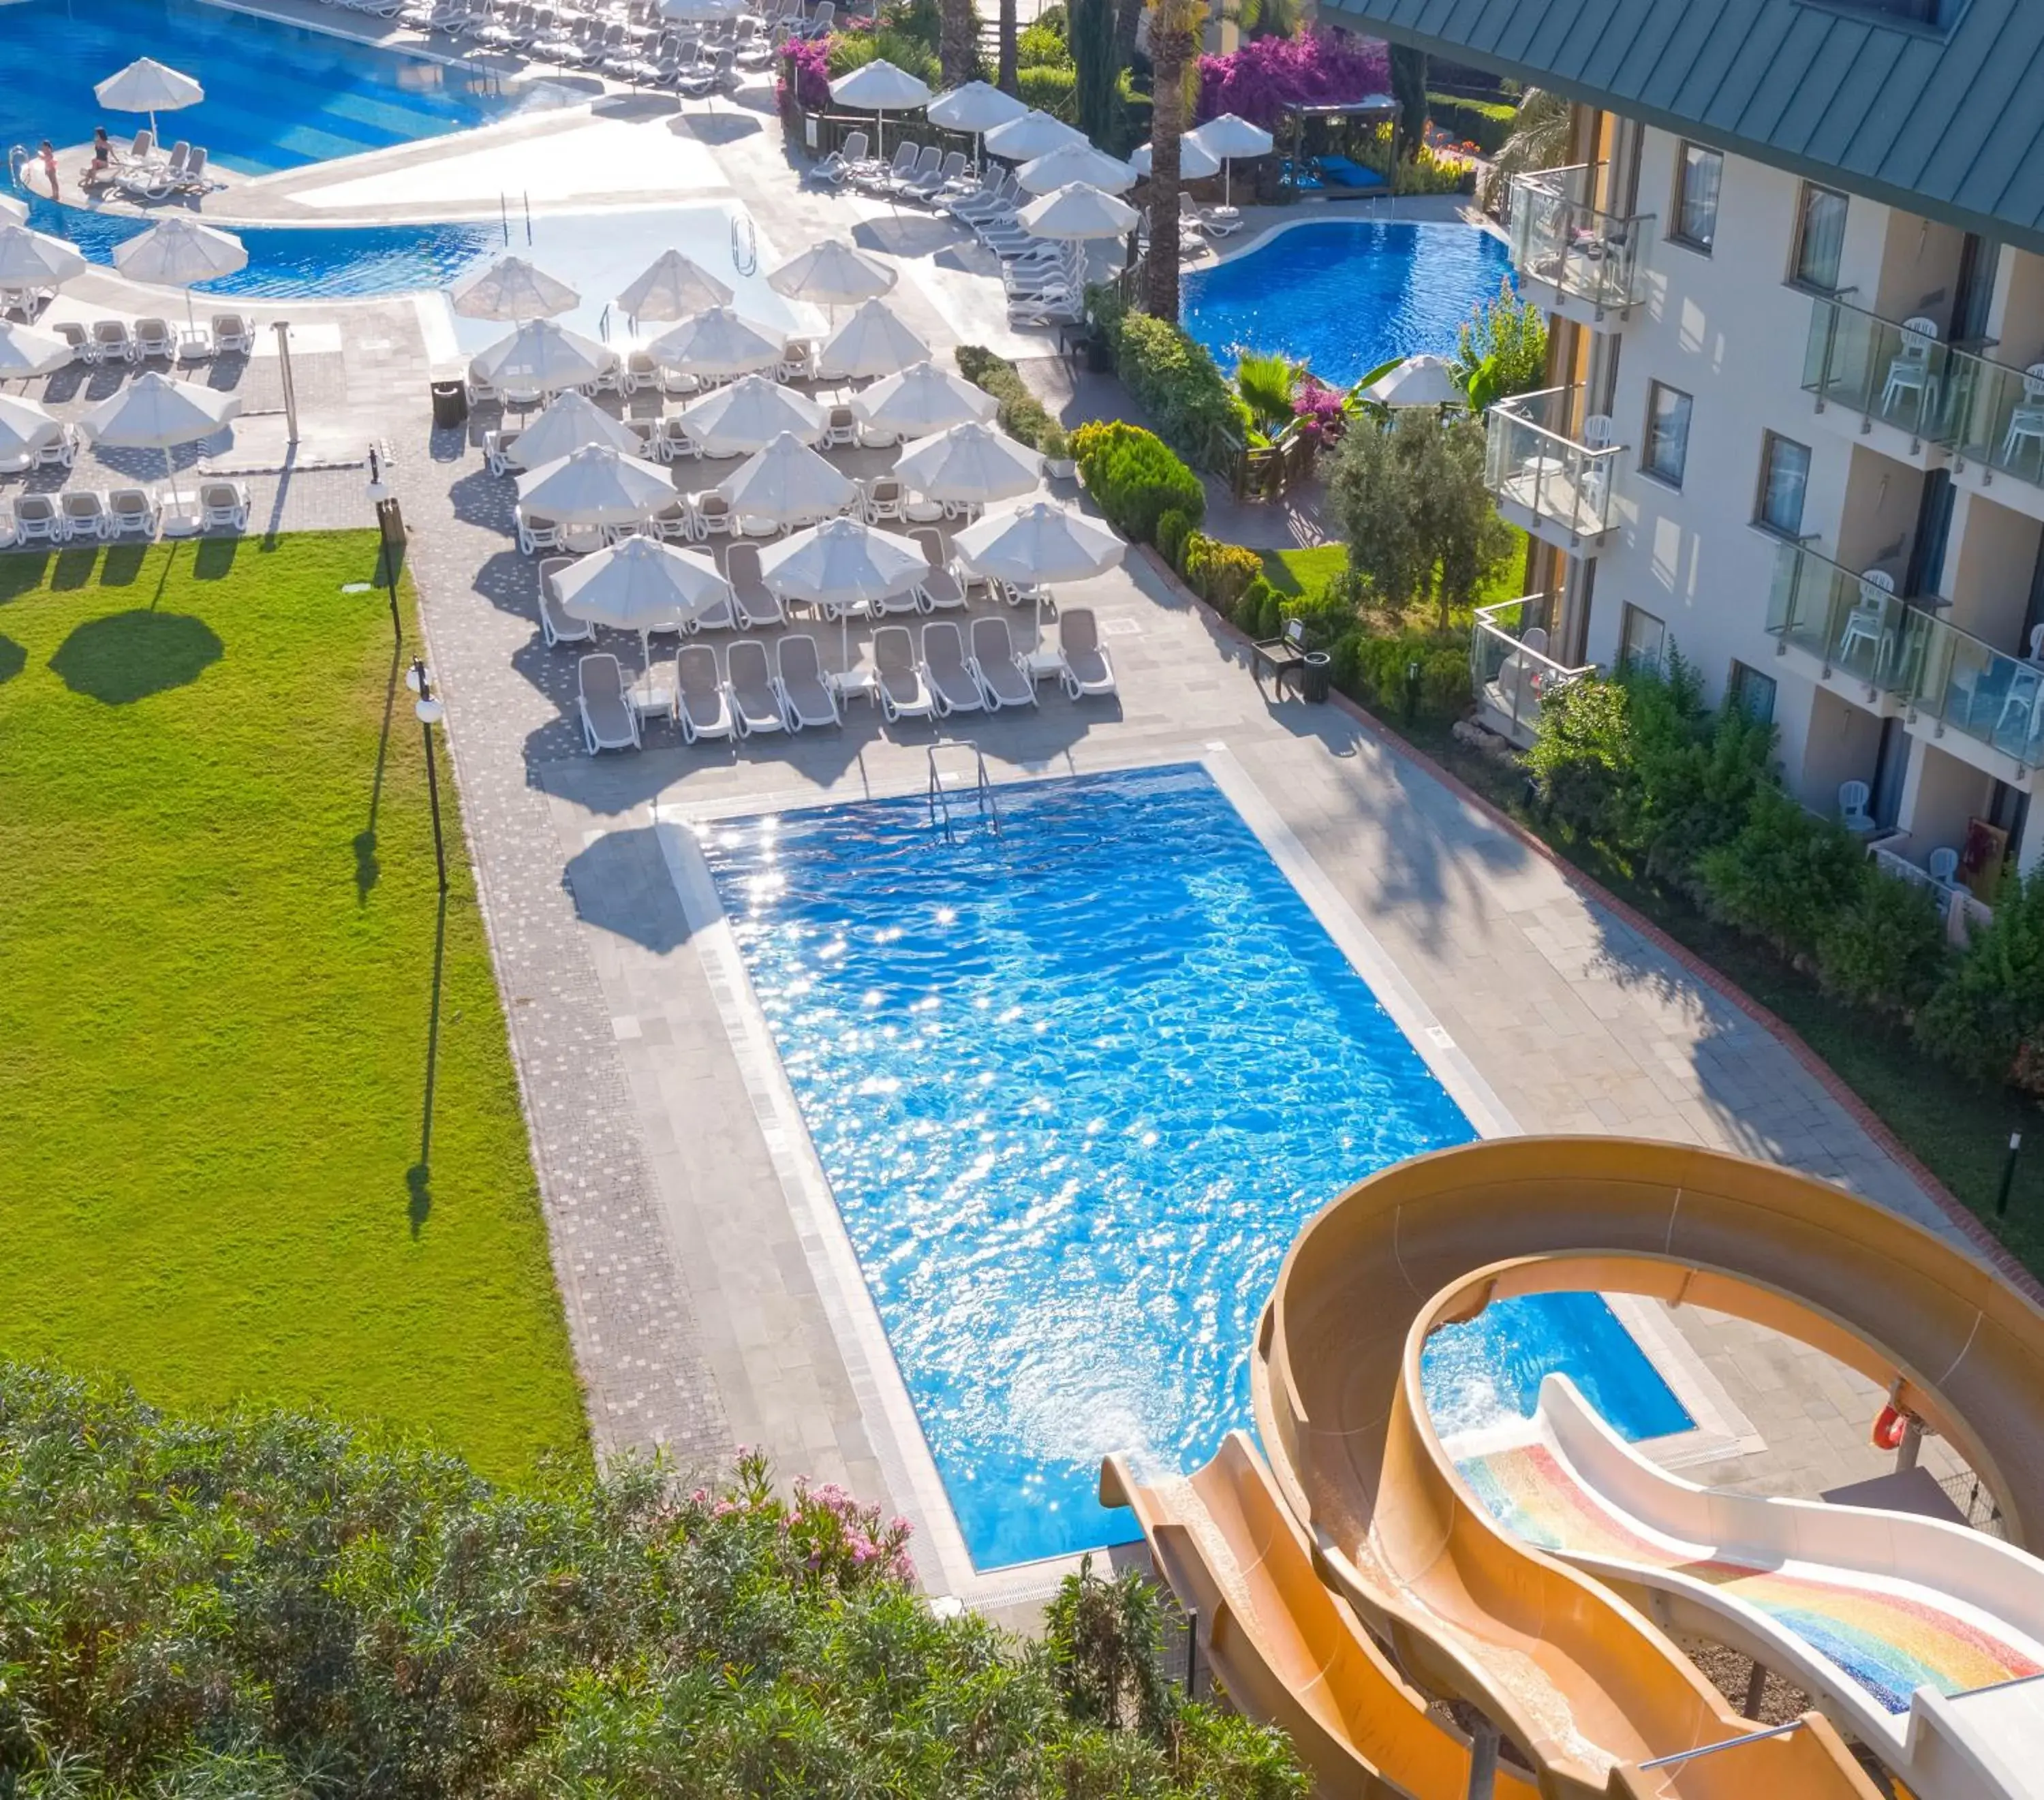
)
(708, 1300)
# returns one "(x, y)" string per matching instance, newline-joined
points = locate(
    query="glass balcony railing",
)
(1852, 622)
(1558, 238)
(1530, 461)
(1981, 692)
(1894, 371)
(1997, 412)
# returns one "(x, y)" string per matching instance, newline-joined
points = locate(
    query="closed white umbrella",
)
(1419, 381)
(1196, 162)
(970, 464)
(595, 486)
(540, 353)
(1228, 137)
(642, 585)
(31, 260)
(879, 87)
(180, 253)
(833, 274)
(511, 288)
(748, 415)
(1076, 211)
(25, 352)
(1079, 163)
(25, 428)
(842, 565)
(571, 420)
(1035, 134)
(871, 342)
(672, 287)
(979, 107)
(147, 86)
(717, 343)
(921, 399)
(786, 483)
(1036, 546)
(154, 413)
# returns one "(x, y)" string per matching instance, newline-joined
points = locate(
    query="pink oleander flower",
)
(1315, 68)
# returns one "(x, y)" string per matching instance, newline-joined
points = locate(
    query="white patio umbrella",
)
(1035, 134)
(787, 483)
(25, 428)
(1036, 546)
(12, 212)
(844, 565)
(1076, 162)
(570, 421)
(595, 486)
(1196, 162)
(701, 12)
(32, 259)
(672, 287)
(1419, 381)
(979, 107)
(970, 464)
(540, 353)
(147, 86)
(717, 342)
(749, 414)
(871, 342)
(921, 399)
(641, 585)
(25, 352)
(154, 413)
(511, 288)
(1227, 137)
(879, 87)
(180, 253)
(1076, 212)
(833, 274)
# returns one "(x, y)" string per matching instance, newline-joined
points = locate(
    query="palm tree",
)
(1540, 140)
(1174, 49)
(958, 41)
(1006, 79)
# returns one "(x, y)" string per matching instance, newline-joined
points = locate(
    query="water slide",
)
(1438, 1600)
(1870, 1611)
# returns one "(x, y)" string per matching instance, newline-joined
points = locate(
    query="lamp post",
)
(389, 525)
(419, 678)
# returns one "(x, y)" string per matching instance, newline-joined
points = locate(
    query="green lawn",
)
(1307, 571)
(219, 947)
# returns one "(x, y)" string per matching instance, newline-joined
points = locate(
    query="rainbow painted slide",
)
(1892, 1621)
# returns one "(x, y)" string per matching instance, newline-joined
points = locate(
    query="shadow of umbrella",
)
(123, 657)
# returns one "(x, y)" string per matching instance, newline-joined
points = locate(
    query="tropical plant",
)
(1269, 384)
(1174, 48)
(1007, 59)
(1540, 140)
(1408, 88)
(958, 41)
(1259, 79)
(805, 74)
(1502, 349)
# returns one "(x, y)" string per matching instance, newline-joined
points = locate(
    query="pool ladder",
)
(940, 801)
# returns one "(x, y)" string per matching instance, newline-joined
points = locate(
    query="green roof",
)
(1947, 124)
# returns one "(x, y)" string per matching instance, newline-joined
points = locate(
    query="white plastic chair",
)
(1909, 370)
(1944, 866)
(2025, 423)
(1865, 623)
(1852, 798)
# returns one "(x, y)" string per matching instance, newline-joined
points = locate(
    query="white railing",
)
(1510, 669)
(1960, 910)
(1530, 461)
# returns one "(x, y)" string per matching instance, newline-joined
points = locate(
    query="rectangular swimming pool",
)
(1075, 1086)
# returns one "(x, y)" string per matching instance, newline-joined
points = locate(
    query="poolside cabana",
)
(1325, 135)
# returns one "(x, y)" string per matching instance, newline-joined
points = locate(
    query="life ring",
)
(1890, 1429)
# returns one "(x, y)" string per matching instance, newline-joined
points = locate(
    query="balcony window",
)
(1699, 174)
(1667, 452)
(1641, 639)
(1753, 693)
(1784, 479)
(1820, 238)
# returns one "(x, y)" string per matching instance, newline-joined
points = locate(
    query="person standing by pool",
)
(49, 156)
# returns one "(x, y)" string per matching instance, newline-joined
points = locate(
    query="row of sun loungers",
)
(667, 440)
(640, 47)
(87, 513)
(636, 371)
(116, 340)
(143, 172)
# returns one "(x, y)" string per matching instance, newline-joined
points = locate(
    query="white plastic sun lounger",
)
(944, 667)
(758, 604)
(1083, 665)
(610, 721)
(805, 695)
(749, 680)
(939, 590)
(904, 693)
(702, 708)
(1003, 679)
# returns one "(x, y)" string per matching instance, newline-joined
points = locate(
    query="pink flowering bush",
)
(805, 78)
(1319, 408)
(1315, 68)
(824, 1537)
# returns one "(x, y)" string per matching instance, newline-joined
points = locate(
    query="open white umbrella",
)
(833, 274)
(879, 87)
(1035, 134)
(871, 342)
(595, 486)
(180, 253)
(1036, 546)
(1196, 162)
(641, 585)
(511, 288)
(748, 415)
(540, 353)
(1076, 212)
(672, 287)
(1079, 163)
(979, 107)
(717, 342)
(1228, 137)
(12, 212)
(31, 260)
(786, 483)
(921, 399)
(702, 12)
(24, 428)
(25, 352)
(570, 421)
(1419, 381)
(970, 464)
(842, 565)
(154, 413)
(147, 86)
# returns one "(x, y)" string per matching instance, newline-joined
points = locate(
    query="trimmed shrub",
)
(1043, 46)
(1380, 664)
(1987, 1016)
(1021, 414)
(1886, 948)
(1176, 381)
(1785, 875)
(1172, 529)
(1258, 599)
(1051, 89)
(1484, 123)
(1221, 573)
(1135, 479)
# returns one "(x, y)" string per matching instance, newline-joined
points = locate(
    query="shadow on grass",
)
(366, 868)
(14, 659)
(123, 567)
(74, 568)
(22, 572)
(418, 1178)
(214, 559)
(123, 657)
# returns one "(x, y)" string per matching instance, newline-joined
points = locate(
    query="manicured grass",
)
(1309, 571)
(218, 1004)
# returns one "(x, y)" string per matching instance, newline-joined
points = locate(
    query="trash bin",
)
(391, 522)
(450, 404)
(1317, 677)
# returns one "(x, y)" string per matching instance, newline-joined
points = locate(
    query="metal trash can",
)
(391, 523)
(450, 405)
(1317, 677)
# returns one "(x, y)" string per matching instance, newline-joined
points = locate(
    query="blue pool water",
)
(1076, 1088)
(1346, 296)
(276, 95)
(1477, 1371)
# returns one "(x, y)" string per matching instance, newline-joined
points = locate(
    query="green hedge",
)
(1171, 375)
(1484, 123)
(1134, 478)
(1220, 572)
(1021, 414)
(1052, 90)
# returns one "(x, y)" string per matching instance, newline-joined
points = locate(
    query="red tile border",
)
(1864, 1116)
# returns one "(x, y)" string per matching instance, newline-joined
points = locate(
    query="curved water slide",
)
(1900, 1625)
(1589, 1692)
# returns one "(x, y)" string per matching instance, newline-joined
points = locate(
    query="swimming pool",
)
(1075, 1087)
(1346, 296)
(276, 95)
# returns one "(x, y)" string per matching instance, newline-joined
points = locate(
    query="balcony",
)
(1997, 416)
(1591, 260)
(1545, 481)
(1511, 671)
(1977, 703)
(1885, 379)
(1845, 631)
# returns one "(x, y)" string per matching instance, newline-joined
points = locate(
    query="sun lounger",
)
(499, 452)
(749, 681)
(110, 339)
(702, 708)
(132, 510)
(904, 165)
(758, 605)
(939, 590)
(945, 668)
(713, 513)
(882, 499)
(837, 169)
(84, 512)
(37, 519)
(557, 624)
(224, 506)
(898, 676)
(1082, 664)
(78, 338)
(1003, 680)
(610, 721)
(60, 452)
(805, 697)
(927, 162)
(674, 521)
(152, 338)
